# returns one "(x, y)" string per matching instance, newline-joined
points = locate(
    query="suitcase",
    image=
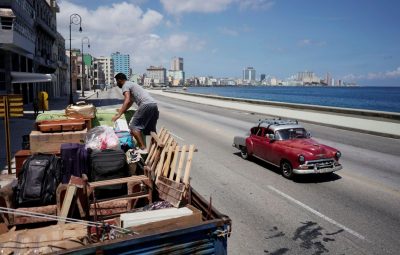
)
(75, 160)
(61, 125)
(81, 110)
(108, 165)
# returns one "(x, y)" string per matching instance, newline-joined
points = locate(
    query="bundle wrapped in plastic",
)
(102, 138)
(81, 110)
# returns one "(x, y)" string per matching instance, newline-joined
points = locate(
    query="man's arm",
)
(125, 106)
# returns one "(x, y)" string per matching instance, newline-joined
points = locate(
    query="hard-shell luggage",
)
(61, 125)
(75, 160)
(38, 181)
(107, 165)
(81, 110)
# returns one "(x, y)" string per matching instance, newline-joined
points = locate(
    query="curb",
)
(360, 112)
(312, 107)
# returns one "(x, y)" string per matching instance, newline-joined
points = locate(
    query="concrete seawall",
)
(379, 123)
(347, 111)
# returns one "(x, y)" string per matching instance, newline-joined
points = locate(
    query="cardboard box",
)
(51, 142)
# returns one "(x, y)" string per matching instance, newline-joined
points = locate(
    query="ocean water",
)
(369, 98)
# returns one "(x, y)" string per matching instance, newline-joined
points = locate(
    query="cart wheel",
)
(287, 169)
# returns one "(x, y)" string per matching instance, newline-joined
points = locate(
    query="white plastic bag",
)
(101, 138)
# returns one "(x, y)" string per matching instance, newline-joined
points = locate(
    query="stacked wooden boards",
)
(169, 164)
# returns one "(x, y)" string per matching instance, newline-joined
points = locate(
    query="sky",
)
(354, 40)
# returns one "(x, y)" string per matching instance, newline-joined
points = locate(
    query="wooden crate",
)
(51, 142)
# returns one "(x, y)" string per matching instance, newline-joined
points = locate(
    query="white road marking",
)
(176, 136)
(354, 233)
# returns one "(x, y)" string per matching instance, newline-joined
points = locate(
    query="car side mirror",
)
(271, 137)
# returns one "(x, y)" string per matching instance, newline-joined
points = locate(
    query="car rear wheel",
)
(287, 169)
(243, 153)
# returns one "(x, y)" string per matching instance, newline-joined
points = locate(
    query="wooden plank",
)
(188, 165)
(167, 163)
(66, 205)
(180, 166)
(174, 162)
(151, 152)
(170, 191)
(162, 158)
(136, 178)
(154, 159)
(157, 155)
(187, 149)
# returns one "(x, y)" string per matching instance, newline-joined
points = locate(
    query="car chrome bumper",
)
(317, 171)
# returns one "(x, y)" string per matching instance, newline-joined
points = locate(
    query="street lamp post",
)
(76, 20)
(83, 65)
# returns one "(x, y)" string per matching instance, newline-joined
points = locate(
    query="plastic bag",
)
(102, 138)
(125, 140)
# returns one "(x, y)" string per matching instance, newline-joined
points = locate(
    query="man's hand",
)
(116, 116)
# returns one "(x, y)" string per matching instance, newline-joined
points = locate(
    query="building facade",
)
(177, 64)
(121, 63)
(29, 47)
(157, 75)
(249, 74)
(108, 67)
(98, 74)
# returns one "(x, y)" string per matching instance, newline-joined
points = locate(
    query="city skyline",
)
(278, 38)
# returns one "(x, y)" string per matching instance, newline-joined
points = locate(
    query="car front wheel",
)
(287, 169)
(243, 153)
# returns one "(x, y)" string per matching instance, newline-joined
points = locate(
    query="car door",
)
(271, 154)
(258, 142)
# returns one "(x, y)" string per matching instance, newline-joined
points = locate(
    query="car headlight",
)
(302, 159)
(338, 155)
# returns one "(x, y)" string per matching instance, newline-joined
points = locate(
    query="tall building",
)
(249, 74)
(122, 63)
(177, 64)
(176, 75)
(108, 68)
(156, 76)
(29, 47)
(262, 77)
(98, 74)
(307, 77)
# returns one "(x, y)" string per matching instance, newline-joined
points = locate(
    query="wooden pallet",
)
(169, 182)
(169, 165)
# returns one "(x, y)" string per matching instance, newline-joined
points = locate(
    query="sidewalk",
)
(381, 127)
(23, 126)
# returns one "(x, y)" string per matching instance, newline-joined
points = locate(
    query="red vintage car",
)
(286, 144)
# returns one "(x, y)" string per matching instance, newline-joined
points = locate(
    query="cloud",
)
(393, 74)
(309, 42)
(228, 31)
(255, 4)
(126, 28)
(177, 7)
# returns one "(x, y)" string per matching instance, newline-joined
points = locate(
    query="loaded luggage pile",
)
(82, 187)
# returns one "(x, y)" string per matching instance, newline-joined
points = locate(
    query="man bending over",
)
(145, 118)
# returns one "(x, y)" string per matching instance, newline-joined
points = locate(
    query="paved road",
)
(356, 211)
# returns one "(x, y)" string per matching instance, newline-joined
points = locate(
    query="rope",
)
(69, 220)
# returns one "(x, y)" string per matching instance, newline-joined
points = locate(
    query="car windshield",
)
(291, 133)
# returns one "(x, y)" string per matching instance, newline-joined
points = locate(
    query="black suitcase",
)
(107, 165)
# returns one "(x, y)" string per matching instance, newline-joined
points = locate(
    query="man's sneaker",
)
(142, 152)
